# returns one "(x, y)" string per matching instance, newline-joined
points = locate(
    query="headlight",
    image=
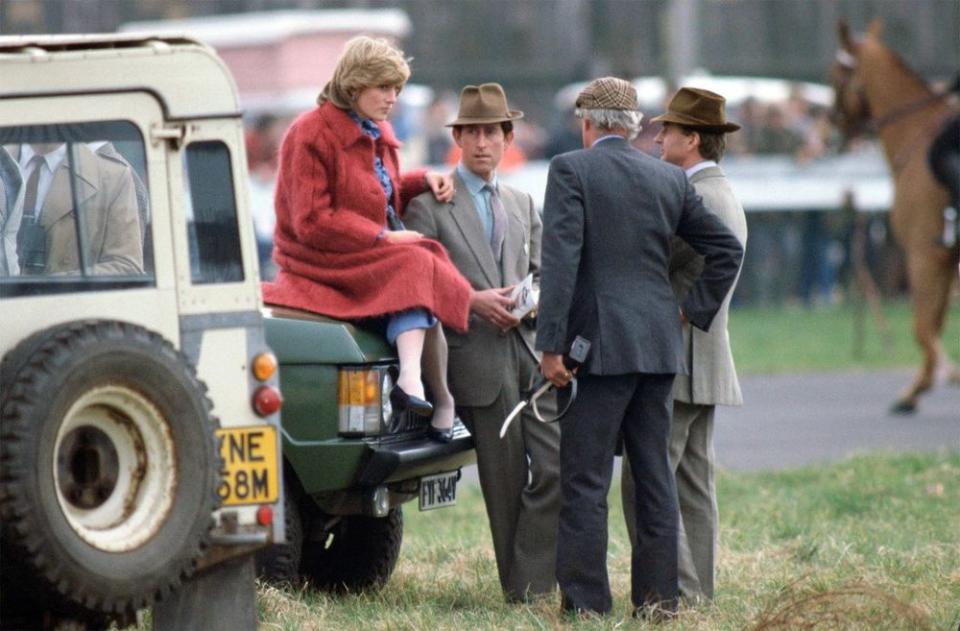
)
(361, 400)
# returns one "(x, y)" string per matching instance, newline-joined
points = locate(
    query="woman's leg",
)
(409, 352)
(435, 372)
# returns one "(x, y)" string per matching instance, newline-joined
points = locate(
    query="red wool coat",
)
(330, 208)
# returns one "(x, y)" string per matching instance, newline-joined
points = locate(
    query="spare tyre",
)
(109, 465)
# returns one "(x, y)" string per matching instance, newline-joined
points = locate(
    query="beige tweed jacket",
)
(713, 376)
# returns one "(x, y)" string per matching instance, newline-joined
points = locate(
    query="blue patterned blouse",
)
(369, 128)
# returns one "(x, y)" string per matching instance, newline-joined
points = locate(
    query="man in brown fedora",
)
(492, 232)
(609, 214)
(692, 137)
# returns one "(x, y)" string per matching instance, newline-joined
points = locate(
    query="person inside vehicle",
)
(105, 190)
(340, 245)
(11, 211)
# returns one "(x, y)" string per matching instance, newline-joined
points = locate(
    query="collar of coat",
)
(348, 132)
(59, 200)
(709, 172)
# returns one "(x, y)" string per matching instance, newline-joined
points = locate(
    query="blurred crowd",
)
(794, 126)
(811, 245)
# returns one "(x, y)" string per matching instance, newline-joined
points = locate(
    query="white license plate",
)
(437, 491)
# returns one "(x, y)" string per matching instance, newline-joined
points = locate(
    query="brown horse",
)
(875, 91)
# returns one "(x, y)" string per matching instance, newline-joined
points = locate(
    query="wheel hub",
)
(88, 467)
(115, 468)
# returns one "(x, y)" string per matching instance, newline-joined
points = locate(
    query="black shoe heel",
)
(401, 401)
(440, 435)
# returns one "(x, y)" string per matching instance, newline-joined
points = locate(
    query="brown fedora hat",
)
(482, 104)
(698, 109)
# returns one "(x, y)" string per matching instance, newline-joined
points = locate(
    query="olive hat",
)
(697, 109)
(483, 104)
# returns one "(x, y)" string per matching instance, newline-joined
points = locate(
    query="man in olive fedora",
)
(609, 214)
(692, 137)
(492, 232)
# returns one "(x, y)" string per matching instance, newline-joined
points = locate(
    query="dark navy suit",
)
(609, 214)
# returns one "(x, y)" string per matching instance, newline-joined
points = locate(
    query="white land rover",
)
(138, 399)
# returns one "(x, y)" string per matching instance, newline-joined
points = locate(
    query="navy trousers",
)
(638, 406)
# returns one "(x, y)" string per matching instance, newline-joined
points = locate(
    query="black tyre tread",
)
(361, 556)
(280, 562)
(26, 379)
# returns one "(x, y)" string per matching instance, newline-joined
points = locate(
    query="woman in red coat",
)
(340, 245)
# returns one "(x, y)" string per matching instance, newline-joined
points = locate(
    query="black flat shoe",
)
(401, 401)
(440, 435)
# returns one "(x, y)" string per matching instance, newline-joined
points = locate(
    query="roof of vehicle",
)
(187, 76)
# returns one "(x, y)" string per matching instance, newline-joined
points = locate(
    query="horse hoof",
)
(903, 408)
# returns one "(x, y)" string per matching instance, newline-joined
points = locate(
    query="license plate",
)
(249, 474)
(437, 491)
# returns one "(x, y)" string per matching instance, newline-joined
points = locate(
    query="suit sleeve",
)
(722, 253)
(685, 267)
(536, 241)
(306, 190)
(563, 222)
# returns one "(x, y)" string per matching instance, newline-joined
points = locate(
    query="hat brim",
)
(688, 121)
(512, 115)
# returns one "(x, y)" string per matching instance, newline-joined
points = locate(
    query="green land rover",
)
(350, 461)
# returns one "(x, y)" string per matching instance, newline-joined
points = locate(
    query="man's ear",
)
(508, 138)
(695, 139)
(456, 136)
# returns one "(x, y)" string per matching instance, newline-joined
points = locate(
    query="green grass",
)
(870, 542)
(794, 339)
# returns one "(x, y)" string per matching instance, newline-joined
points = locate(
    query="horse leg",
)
(931, 276)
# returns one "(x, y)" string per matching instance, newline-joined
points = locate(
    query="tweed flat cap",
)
(608, 93)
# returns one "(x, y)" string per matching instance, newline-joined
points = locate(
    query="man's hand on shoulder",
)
(494, 305)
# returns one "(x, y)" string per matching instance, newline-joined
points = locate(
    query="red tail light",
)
(266, 400)
(265, 515)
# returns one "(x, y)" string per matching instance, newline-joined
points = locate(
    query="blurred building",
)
(283, 51)
(281, 59)
(534, 47)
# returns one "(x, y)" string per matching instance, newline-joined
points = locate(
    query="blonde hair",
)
(365, 62)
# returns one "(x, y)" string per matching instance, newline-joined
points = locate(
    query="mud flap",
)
(221, 597)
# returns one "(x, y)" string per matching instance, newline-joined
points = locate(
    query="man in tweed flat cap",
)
(609, 214)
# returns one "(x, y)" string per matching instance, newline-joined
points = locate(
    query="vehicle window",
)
(74, 208)
(211, 211)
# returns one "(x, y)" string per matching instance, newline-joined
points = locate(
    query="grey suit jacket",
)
(713, 376)
(609, 214)
(458, 227)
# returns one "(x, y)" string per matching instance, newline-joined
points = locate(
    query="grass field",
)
(794, 339)
(868, 543)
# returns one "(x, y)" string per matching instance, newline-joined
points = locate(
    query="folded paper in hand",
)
(525, 297)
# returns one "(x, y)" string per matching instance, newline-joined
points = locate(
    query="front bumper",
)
(396, 459)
